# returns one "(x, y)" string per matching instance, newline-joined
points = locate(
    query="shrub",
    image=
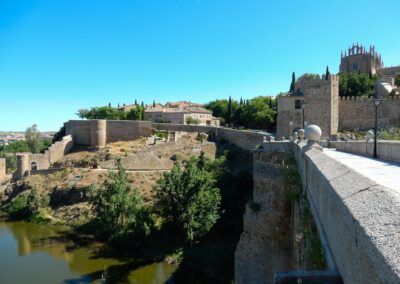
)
(19, 208)
(189, 199)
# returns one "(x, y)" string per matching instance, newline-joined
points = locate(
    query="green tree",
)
(119, 208)
(105, 112)
(154, 103)
(189, 199)
(32, 137)
(292, 84)
(230, 110)
(356, 85)
(327, 73)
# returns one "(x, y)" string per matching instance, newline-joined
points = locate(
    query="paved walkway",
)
(383, 173)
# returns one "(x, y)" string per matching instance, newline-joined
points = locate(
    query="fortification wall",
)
(357, 217)
(127, 130)
(26, 162)
(389, 71)
(42, 161)
(386, 150)
(244, 139)
(60, 148)
(97, 133)
(2, 170)
(360, 114)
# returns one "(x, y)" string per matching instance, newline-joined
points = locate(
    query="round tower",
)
(23, 167)
(98, 133)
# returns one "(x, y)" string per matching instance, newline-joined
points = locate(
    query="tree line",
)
(257, 113)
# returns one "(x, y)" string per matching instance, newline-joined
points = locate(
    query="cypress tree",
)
(270, 102)
(135, 102)
(229, 110)
(241, 101)
(327, 73)
(118, 104)
(293, 82)
(154, 103)
(142, 104)
(109, 104)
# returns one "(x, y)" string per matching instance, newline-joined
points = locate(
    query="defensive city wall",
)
(28, 161)
(97, 133)
(359, 114)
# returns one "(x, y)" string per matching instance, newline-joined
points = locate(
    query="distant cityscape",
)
(13, 136)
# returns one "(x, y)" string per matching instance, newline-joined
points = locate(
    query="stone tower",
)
(2, 170)
(321, 98)
(358, 59)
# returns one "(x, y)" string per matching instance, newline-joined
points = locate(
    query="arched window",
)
(355, 67)
(33, 166)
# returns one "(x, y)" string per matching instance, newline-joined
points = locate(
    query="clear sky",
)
(57, 56)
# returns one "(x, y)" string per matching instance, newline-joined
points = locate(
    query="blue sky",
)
(62, 55)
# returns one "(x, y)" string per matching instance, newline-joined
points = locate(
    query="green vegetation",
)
(292, 84)
(162, 134)
(259, 112)
(32, 137)
(119, 210)
(356, 85)
(108, 112)
(189, 199)
(33, 143)
(389, 133)
(30, 206)
(310, 246)
(192, 120)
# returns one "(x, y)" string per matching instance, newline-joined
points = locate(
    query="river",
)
(32, 253)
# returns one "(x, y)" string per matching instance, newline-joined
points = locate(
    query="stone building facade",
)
(179, 113)
(318, 99)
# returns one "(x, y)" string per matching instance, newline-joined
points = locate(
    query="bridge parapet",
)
(358, 218)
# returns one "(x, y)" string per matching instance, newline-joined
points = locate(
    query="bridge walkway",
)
(382, 172)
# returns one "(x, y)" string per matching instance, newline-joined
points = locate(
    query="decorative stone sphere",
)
(300, 132)
(313, 132)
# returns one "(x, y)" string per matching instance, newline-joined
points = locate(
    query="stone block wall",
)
(360, 114)
(244, 139)
(322, 106)
(264, 247)
(357, 217)
(386, 150)
(96, 133)
(26, 162)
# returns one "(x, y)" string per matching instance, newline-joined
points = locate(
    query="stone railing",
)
(357, 217)
(357, 220)
(386, 150)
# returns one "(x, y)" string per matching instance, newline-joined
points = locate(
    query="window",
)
(297, 104)
(355, 67)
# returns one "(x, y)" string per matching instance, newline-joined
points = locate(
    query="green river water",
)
(32, 253)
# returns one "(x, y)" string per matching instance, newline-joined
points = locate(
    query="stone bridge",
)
(357, 219)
